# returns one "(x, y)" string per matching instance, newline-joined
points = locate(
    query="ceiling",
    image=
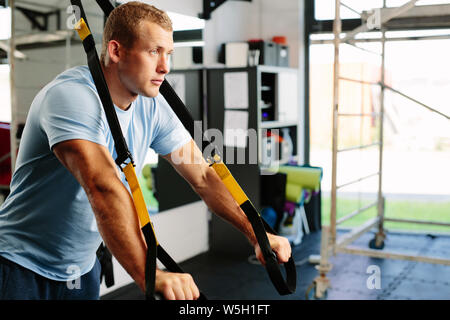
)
(191, 7)
(90, 6)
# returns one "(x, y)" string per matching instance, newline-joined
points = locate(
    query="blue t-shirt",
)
(46, 223)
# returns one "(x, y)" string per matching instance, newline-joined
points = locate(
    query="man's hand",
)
(176, 286)
(280, 245)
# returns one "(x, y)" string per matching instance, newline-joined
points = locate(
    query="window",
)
(416, 140)
(5, 94)
(324, 9)
(5, 23)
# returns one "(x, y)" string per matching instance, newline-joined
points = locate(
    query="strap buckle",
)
(121, 161)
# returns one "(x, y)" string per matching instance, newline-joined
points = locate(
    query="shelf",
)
(263, 105)
(273, 164)
(277, 124)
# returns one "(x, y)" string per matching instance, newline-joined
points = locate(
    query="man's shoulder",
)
(72, 82)
(76, 75)
(68, 93)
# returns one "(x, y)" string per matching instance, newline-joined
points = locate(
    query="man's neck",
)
(120, 95)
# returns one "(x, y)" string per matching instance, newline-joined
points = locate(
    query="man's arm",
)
(189, 163)
(115, 213)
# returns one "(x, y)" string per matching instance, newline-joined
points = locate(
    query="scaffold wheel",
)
(311, 293)
(373, 244)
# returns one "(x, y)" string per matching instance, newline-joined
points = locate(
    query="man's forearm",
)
(205, 181)
(189, 162)
(220, 201)
(118, 225)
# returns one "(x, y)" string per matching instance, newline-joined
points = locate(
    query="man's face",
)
(144, 66)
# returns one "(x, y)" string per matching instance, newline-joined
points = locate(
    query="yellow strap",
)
(229, 182)
(82, 29)
(138, 197)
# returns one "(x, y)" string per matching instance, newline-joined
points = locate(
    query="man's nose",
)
(164, 64)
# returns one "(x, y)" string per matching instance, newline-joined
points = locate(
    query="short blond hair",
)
(123, 23)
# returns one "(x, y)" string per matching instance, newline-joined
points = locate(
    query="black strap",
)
(181, 111)
(123, 154)
(105, 258)
(260, 227)
(150, 262)
(100, 83)
(106, 6)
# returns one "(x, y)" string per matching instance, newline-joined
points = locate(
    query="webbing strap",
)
(122, 151)
(260, 227)
(181, 111)
(138, 197)
(258, 224)
(123, 155)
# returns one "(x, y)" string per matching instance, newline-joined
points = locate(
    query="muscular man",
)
(67, 193)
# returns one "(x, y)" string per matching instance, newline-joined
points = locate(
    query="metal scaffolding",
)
(330, 243)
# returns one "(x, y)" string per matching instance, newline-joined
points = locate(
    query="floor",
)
(228, 277)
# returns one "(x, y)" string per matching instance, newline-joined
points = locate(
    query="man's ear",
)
(114, 51)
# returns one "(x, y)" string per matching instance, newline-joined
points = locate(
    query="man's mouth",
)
(157, 82)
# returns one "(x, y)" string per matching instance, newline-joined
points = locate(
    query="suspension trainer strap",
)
(125, 161)
(258, 224)
(260, 227)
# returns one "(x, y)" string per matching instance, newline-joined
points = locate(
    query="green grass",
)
(402, 209)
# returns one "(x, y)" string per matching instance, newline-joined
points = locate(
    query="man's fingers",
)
(283, 256)
(186, 282)
(285, 253)
(169, 294)
(280, 246)
(195, 291)
(259, 255)
(179, 293)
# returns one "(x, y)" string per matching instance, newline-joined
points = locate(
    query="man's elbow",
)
(202, 180)
(99, 187)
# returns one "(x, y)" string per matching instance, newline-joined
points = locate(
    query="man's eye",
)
(154, 51)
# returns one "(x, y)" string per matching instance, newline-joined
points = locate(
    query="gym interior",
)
(331, 115)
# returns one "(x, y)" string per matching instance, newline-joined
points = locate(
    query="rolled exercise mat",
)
(307, 178)
(294, 192)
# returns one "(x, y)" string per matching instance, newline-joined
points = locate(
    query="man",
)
(66, 183)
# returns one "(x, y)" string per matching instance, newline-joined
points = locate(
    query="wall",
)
(187, 7)
(241, 21)
(43, 63)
